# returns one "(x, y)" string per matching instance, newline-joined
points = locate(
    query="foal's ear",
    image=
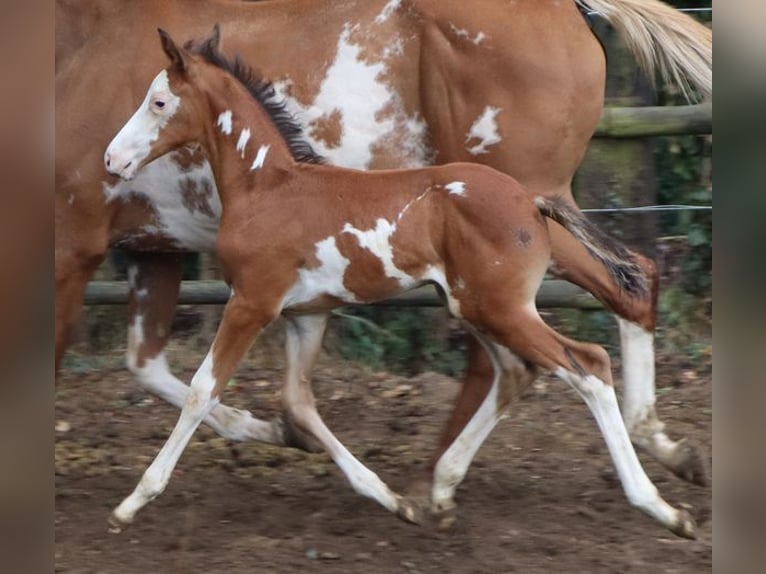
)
(215, 37)
(173, 52)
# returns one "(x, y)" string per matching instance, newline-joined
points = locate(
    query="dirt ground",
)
(541, 496)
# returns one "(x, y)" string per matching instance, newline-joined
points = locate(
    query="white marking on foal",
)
(327, 279)
(378, 241)
(260, 159)
(602, 402)
(485, 130)
(456, 188)
(387, 11)
(224, 122)
(134, 141)
(244, 136)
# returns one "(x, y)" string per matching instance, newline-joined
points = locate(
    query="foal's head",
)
(172, 114)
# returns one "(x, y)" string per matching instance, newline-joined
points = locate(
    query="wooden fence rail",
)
(553, 293)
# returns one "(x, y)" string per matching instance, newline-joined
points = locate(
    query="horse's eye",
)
(159, 104)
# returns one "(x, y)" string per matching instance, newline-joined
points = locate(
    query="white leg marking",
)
(645, 428)
(453, 464)
(198, 404)
(602, 402)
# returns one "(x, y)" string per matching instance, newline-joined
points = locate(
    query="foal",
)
(298, 239)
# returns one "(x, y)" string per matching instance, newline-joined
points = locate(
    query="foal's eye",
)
(159, 104)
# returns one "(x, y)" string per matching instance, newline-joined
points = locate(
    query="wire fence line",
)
(649, 209)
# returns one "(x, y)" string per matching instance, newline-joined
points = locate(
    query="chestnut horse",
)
(298, 239)
(376, 84)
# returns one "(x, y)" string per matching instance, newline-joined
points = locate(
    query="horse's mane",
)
(265, 94)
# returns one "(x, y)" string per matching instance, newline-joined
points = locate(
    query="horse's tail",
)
(617, 259)
(662, 38)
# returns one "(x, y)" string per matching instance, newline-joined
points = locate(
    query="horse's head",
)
(171, 115)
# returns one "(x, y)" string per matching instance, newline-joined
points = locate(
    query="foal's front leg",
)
(304, 338)
(240, 325)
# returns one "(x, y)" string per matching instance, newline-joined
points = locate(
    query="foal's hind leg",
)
(304, 337)
(154, 280)
(511, 376)
(586, 368)
(637, 320)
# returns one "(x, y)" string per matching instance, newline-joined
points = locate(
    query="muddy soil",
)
(541, 496)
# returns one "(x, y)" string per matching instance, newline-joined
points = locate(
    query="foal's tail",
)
(617, 259)
(662, 38)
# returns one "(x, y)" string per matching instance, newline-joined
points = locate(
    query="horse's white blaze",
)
(485, 130)
(134, 141)
(327, 279)
(378, 241)
(387, 11)
(371, 112)
(225, 122)
(244, 137)
(456, 188)
(260, 158)
(161, 184)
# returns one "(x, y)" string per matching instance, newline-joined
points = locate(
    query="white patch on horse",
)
(371, 113)
(387, 11)
(158, 183)
(327, 279)
(455, 188)
(260, 159)
(436, 274)
(410, 203)
(378, 241)
(485, 130)
(244, 137)
(463, 33)
(134, 141)
(224, 122)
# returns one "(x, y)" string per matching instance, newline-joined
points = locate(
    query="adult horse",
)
(517, 86)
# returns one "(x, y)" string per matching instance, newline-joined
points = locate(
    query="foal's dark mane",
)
(265, 94)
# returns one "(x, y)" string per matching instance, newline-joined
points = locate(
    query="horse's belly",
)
(171, 204)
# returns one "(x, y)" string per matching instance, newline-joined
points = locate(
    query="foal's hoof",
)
(116, 526)
(294, 437)
(690, 463)
(444, 515)
(685, 527)
(410, 511)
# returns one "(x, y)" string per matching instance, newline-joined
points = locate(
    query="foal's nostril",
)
(108, 161)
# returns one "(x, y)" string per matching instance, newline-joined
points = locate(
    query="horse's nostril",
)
(127, 165)
(108, 162)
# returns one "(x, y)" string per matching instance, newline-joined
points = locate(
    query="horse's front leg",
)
(241, 323)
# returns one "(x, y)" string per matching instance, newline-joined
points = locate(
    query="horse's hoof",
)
(690, 463)
(685, 527)
(444, 515)
(410, 511)
(116, 526)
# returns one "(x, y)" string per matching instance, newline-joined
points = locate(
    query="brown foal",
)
(298, 238)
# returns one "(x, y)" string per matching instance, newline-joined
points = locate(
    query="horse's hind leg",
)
(304, 338)
(154, 280)
(637, 321)
(511, 376)
(586, 368)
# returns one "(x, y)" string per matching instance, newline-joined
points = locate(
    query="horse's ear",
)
(173, 52)
(215, 37)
